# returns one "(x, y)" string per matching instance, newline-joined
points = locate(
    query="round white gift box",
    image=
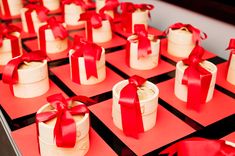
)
(180, 43)
(140, 17)
(32, 80)
(181, 91)
(51, 4)
(102, 34)
(46, 135)
(36, 22)
(54, 45)
(148, 106)
(231, 71)
(6, 50)
(72, 14)
(14, 6)
(143, 63)
(100, 65)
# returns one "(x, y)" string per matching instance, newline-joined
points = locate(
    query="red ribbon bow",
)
(6, 32)
(127, 9)
(200, 146)
(93, 20)
(77, 2)
(65, 127)
(57, 28)
(10, 74)
(132, 123)
(110, 5)
(41, 13)
(196, 32)
(91, 53)
(197, 79)
(231, 47)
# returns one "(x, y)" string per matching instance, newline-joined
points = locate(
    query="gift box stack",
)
(95, 78)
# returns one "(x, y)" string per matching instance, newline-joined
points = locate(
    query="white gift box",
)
(231, 70)
(143, 63)
(32, 80)
(148, 105)
(36, 21)
(180, 43)
(51, 4)
(54, 45)
(100, 4)
(47, 141)
(72, 14)
(6, 49)
(14, 6)
(140, 17)
(100, 65)
(181, 90)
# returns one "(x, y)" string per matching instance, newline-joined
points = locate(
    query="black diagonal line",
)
(25, 47)
(58, 62)
(109, 137)
(120, 35)
(225, 91)
(216, 130)
(118, 71)
(114, 49)
(216, 60)
(172, 62)
(0, 76)
(162, 77)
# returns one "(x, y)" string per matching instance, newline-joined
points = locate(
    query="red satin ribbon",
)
(132, 123)
(94, 21)
(127, 9)
(200, 146)
(109, 5)
(196, 32)
(41, 13)
(10, 74)
(58, 31)
(91, 53)
(6, 32)
(197, 79)
(65, 127)
(6, 8)
(231, 47)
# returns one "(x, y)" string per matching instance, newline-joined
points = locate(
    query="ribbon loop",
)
(109, 5)
(77, 2)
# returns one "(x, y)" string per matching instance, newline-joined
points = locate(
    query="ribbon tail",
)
(75, 73)
(90, 62)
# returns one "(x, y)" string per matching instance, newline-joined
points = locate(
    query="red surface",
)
(164, 52)
(24, 34)
(63, 72)
(1, 68)
(33, 45)
(230, 137)
(118, 59)
(168, 128)
(151, 30)
(218, 108)
(19, 107)
(27, 137)
(116, 40)
(221, 77)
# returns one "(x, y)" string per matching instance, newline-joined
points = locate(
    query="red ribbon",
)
(197, 79)
(91, 53)
(109, 5)
(196, 32)
(57, 28)
(10, 74)
(6, 8)
(94, 21)
(6, 32)
(41, 13)
(65, 127)
(231, 47)
(132, 123)
(200, 146)
(127, 9)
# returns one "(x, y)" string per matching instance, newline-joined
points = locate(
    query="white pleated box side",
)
(14, 6)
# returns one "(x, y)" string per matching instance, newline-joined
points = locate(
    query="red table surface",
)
(168, 129)
(63, 72)
(230, 137)
(164, 52)
(33, 45)
(118, 59)
(116, 40)
(24, 34)
(26, 140)
(221, 77)
(19, 107)
(151, 30)
(218, 108)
